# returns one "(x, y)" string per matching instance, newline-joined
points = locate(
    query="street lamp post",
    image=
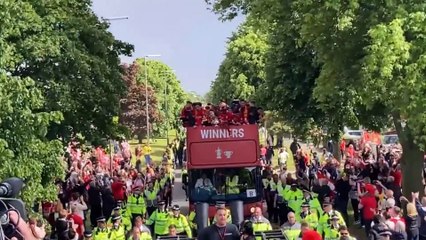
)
(116, 18)
(146, 94)
(111, 144)
(166, 104)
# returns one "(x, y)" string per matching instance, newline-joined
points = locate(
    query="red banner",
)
(372, 137)
(212, 147)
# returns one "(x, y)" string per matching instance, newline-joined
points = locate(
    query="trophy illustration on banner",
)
(218, 153)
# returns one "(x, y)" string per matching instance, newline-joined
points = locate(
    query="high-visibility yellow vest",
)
(118, 233)
(311, 217)
(181, 224)
(292, 232)
(161, 220)
(324, 223)
(282, 190)
(163, 182)
(136, 205)
(293, 198)
(100, 234)
(232, 186)
(261, 227)
(274, 186)
(265, 182)
(151, 197)
(191, 220)
(331, 234)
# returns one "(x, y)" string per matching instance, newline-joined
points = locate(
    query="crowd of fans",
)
(103, 199)
(105, 196)
(237, 113)
(319, 192)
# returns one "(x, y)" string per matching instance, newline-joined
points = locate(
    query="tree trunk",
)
(140, 137)
(412, 160)
(336, 148)
(412, 166)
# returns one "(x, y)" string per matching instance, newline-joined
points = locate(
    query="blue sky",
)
(190, 38)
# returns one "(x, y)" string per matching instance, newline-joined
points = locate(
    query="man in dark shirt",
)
(341, 203)
(220, 230)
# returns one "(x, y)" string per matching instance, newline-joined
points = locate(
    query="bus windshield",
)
(225, 184)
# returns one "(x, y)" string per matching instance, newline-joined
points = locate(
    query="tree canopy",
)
(242, 71)
(346, 63)
(168, 92)
(24, 150)
(74, 60)
(60, 75)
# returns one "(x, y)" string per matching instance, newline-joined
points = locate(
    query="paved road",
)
(179, 193)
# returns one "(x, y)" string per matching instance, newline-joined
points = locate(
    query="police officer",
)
(332, 231)
(325, 219)
(88, 235)
(272, 205)
(293, 197)
(282, 191)
(180, 222)
(160, 219)
(306, 215)
(117, 231)
(313, 201)
(101, 232)
(260, 223)
(151, 195)
(126, 220)
(136, 204)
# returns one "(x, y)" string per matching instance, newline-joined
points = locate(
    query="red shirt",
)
(343, 145)
(47, 208)
(117, 189)
(369, 206)
(77, 221)
(311, 235)
(397, 176)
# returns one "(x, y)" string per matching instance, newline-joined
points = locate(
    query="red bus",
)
(224, 155)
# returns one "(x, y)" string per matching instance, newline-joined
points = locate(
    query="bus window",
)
(225, 184)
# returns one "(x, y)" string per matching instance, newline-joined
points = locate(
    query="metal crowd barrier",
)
(272, 235)
(175, 238)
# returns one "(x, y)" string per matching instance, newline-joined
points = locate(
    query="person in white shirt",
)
(203, 182)
(78, 203)
(282, 157)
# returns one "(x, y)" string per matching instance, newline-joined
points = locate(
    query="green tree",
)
(74, 60)
(168, 92)
(195, 97)
(24, 150)
(378, 52)
(371, 58)
(242, 71)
